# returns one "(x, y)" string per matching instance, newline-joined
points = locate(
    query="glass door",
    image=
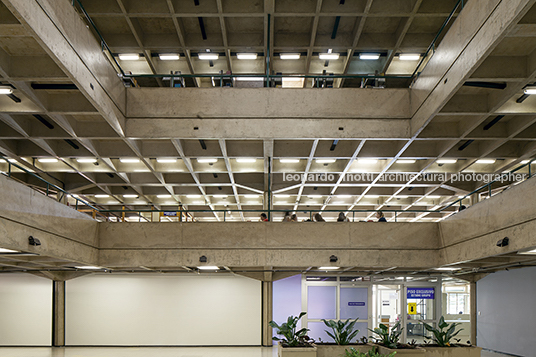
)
(421, 307)
(387, 306)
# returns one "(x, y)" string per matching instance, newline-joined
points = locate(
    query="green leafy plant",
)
(343, 331)
(389, 340)
(443, 334)
(371, 353)
(291, 337)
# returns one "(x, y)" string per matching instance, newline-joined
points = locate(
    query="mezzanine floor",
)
(152, 352)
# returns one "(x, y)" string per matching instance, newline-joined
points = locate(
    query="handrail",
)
(217, 75)
(49, 185)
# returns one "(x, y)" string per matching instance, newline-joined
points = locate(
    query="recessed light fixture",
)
(163, 160)
(485, 161)
(525, 162)
(129, 160)
(246, 160)
(208, 56)
(207, 161)
(328, 268)
(369, 56)
(246, 56)
(409, 56)
(447, 161)
(530, 90)
(208, 267)
(372, 196)
(86, 160)
(88, 267)
(328, 56)
(528, 252)
(250, 79)
(163, 196)
(314, 196)
(129, 56)
(282, 196)
(12, 160)
(289, 56)
(461, 196)
(4, 250)
(6, 90)
(47, 160)
(325, 161)
(169, 56)
(406, 161)
(193, 196)
(101, 196)
(289, 161)
(130, 196)
(344, 196)
(251, 196)
(220, 196)
(447, 269)
(433, 197)
(367, 161)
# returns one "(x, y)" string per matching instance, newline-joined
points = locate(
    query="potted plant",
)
(387, 342)
(370, 353)
(442, 345)
(342, 333)
(294, 343)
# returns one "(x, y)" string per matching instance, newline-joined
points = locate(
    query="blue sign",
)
(170, 214)
(356, 303)
(421, 293)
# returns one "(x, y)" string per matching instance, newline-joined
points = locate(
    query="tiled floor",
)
(152, 352)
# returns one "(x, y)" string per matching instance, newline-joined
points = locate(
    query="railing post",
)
(396, 216)
(224, 215)
(8, 169)
(353, 216)
(489, 191)
(47, 188)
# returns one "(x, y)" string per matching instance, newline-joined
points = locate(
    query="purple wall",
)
(286, 299)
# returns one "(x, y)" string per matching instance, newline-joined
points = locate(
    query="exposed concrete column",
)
(267, 309)
(58, 313)
(475, 198)
(474, 313)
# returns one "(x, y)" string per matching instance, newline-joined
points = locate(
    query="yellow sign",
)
(412, 308)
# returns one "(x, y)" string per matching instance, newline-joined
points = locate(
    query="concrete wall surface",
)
(474, 232)
(506, 311)
(63, 232)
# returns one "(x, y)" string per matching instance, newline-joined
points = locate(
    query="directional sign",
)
(412, 308)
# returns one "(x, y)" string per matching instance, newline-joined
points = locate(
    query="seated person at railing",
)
(319, 218)
(264, 218)
(380, 216)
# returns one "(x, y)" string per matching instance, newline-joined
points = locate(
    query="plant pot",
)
(406, 352)
(333, 350)
(472, 351)
(296, 351)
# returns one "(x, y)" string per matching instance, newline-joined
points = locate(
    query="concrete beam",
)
(265, 103)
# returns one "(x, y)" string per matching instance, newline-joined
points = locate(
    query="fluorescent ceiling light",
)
(289, 56)
(250, 79)
(193, 196)
(406, 161)
(530, 90)
(164, 160)
(401, 196)
(208, 56)
(129, 56)
(372, 196)
(199, 202)
(87, 160)
(409, 56)
(130, 196)
(338, 203)
(447, 161)
(525, 162)
(251, 196)
(485, 161)
(447, 269)
(246, 56)
(369, 56)
(328, 56)
(101, 196)
(205, 161)
(246, 160)
(344, 196)
(292, 82)
(433, 197)
(367, 161)
(289, 161)
(126, 160)
(314, 196)
(461, 196)
(528, 252)
(6, 90)
(220, 196)
(282, 196)
(47, 160)
(88, 267)
(169, 56)
(325, 161)
(12, 160)
(328, 268)
(4, 250)
(163, 196)
(208, 267)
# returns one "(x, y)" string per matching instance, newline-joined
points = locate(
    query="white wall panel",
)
(25, 310)
(163, 310)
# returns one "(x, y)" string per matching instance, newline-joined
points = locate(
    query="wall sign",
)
(356, 303)
(421, 293)
(412, 308)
